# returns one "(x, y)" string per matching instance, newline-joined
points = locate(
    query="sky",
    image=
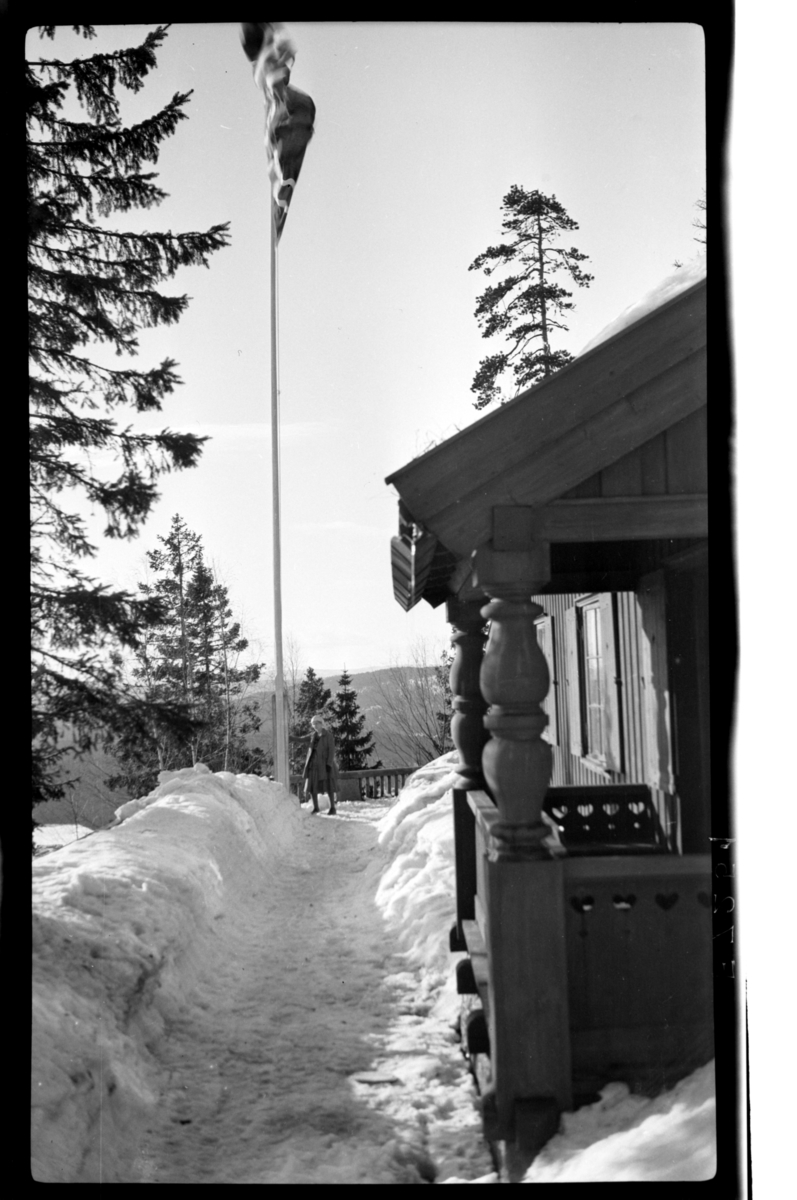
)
(421, 129)
(228, 990)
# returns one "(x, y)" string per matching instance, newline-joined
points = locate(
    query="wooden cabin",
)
(573, 523)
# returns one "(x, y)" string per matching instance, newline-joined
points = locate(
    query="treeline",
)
(407, 706)
(189, 661)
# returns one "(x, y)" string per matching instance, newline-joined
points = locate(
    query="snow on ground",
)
(624, 1137)
(228, 989)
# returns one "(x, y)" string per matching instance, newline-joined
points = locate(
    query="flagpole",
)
(281, 764)
(289, 126)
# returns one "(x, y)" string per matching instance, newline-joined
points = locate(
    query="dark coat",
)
(320, 763)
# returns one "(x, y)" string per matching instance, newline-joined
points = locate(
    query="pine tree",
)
(174, 566)
(313, 699)
(528, 304)
(189, 658)
(91, 288)
(353, 745)
(219, 682)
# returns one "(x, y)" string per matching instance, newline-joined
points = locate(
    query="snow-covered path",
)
(293, 1003)
(289, 1036)
(228, 989)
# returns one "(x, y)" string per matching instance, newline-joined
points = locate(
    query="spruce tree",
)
(92, 287)
(220, 683)
(353, 745)
(313, 699)
(528, 303)
(190, 658)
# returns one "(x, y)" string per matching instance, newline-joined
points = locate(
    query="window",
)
(592, 683)
(654, 677)
(545, 638)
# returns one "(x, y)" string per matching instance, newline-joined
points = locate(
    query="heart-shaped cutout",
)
(666, 902)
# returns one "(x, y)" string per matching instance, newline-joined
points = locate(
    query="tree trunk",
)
(186, 662)
(227, 707)
(543, 311)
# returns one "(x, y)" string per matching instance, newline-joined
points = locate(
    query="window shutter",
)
(572, 685)
(611, 685)
(544, 628)
(655, 685)
(553, 691)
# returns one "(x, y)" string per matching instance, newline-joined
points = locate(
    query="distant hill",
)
(377, 694)
(91, 803)
(330, 677)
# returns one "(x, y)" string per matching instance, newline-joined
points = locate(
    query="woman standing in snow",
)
(320, 771)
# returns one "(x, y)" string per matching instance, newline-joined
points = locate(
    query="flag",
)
(289, 112)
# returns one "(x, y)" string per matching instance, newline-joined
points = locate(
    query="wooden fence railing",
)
(365, 785)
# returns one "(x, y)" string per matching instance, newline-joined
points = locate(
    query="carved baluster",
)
(522, 887)
(469, 735)
(467, 724)
(514, 680)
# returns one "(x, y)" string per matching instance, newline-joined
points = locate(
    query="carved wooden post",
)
(523, 888)
(514, 680)
(469, 736)
(467, 724)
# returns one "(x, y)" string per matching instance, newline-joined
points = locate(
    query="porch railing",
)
(376, 782)
(580, 971)
(582, 968)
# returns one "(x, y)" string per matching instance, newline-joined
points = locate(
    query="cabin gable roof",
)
(534, 450)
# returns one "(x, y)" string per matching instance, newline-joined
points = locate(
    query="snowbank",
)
(416, 892)
(117, 920)
(633, 1138)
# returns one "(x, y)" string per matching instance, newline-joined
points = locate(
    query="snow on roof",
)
(682, 278)
(226, 990)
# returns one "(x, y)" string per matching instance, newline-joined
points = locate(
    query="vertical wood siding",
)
(674, 463)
